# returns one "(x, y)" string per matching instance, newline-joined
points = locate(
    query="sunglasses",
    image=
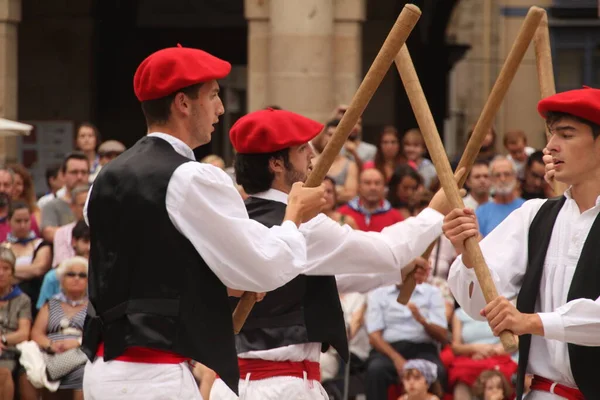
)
(81, 275)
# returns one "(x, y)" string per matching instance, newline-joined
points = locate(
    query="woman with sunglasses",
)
(59, 324)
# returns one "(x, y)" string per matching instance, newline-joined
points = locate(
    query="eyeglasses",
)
(81, 275)
(503, 174)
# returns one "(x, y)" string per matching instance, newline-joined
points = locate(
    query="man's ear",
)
(276, 165)
(181, 104)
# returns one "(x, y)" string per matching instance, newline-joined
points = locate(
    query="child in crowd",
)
(420, 381)
(515, 143)
(492, 385)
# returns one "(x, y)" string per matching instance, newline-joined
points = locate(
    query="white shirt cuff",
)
(553, 326)
(431, 215)
(289, 224)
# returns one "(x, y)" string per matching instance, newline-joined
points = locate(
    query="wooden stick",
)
(509, 69)
(410, 283)
(543, 61)
(507, 74)
(242, 310)
(444, 172)
(399, 33)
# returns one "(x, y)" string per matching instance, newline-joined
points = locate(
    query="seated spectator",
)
(33, 255)
(389, 153)
(414, 151)
(533, 186)
(399, 333)
(505, 201)
(492, 385)
(63, 246)
(476, 349)
(59, 324)
(108, 151)
(364, 151)
(402, 188)
(215, 160)
(479, 185)
(354, 306)
(515, 142)
(329, 208)
(7, 179)
(55, 181)
(24, 191)
(343, 171)
(370, 209)
(80, 243)
(87, 141)
(419, 381)
(57, 212)
(15, 326)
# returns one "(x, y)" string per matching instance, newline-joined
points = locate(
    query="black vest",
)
(148, 286)
(585, 284)
(305, 310)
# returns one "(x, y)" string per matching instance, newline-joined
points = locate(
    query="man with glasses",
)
(505, 201)
(58, 212)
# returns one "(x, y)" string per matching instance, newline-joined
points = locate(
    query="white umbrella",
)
(13, 128)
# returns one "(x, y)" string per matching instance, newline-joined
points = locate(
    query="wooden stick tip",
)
(413, 8)
(536, 10)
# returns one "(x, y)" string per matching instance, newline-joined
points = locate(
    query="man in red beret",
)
(168, 236)
(281, 341)
(547, 254)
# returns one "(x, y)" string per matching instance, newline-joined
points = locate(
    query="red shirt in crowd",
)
(373, 221)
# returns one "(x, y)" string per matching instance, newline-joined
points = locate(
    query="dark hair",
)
(17, 205)
(553, 117)
(379, 160)
(332, 123)
(93, 128)
(76, 155)
(535, 157)
(330, 179)
(401, 172)
(478, 163)
(479, 385)
(252, 171)
(158, 111)
(52, 172)
(81, 231)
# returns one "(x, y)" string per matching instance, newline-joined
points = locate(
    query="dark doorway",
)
(129, 31)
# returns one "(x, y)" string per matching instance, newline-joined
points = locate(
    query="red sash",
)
(145, 355)
(546, 385)
(263, 369)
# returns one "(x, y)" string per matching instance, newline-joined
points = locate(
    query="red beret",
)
(174, 68)
(269, 130)
(583, 103)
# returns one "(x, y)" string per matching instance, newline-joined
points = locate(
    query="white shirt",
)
(207, 209)
(367, 259)
(45, 199)
(506, 253)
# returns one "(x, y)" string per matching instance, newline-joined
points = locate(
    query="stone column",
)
(519, 109)
(257, 14)
(347, 48)
(301, 56)
(10, 16)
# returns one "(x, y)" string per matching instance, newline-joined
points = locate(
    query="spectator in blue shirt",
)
(81, 244)
(399, 333)
(505, 201)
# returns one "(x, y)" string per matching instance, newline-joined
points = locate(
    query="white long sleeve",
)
(334, 249)
(245, 255)
(576, 322)
(506, 254)
(364, 283)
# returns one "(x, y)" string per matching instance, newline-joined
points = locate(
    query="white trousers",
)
(537, 395)
(118, 380)
(278, 388)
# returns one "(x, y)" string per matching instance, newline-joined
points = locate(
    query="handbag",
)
(61, 364)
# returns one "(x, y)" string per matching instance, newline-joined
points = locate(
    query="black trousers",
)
(381, 372)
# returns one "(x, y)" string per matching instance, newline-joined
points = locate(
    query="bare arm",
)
(48, 233)
(376, 340)
(349, 190)
(21, 334)
(40, 327)
(40, 265)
